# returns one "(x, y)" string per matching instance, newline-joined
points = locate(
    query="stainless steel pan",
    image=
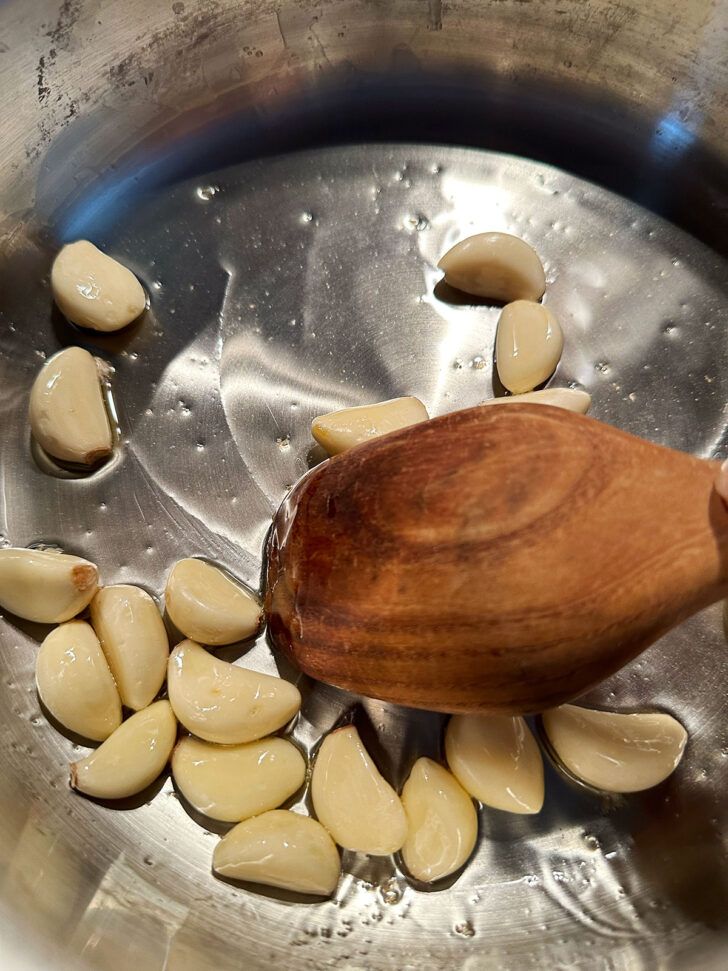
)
(301, 279)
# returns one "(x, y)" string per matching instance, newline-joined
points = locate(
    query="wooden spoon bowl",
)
(500, 559)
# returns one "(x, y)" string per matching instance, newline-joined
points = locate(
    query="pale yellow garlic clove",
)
(44, 586)
(66, 413)
(495, 265)
(134, 639)
(280, 849)
(442, 824)
(93, 290)
(352, 799)
(613, 751)
(339, 430)
(528, 345)
(571, 399)
(225, 703)
(210, 606)
(497, 760)
(131, 758)
(74, 681)
(234, 782)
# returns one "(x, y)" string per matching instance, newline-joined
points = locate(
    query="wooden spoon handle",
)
(495, 559)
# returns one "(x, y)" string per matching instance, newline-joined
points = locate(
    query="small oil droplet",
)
(391, 891)
(206, 192)
(417, 224)
(465, 929)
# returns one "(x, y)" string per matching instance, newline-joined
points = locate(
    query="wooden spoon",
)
(499, 559)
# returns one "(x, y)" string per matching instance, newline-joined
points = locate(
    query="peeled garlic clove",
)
(208, 605)
(130, 759)
(234, 782)
(93, 290)
(340, 430)
(44, 586)
(352, 799)
(134, 640)
(67, 414)
(280, 849)
(495, 265)
(497, 760)
(571, 399)
(224, 703)
(613, 751)
(74, 681)
(442, 824)
(528, 345)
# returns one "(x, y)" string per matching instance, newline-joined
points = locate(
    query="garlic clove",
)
(131, 758)
(352, 799)
(339, 430)
(235, 782)
(74, 681)
(134, 640)
(66, 413)
(614, 751)
(210, 606)
(442, 824)
(571, 399)
(497, 760)
(225, 703)
(528, 345)
(93, 290)
(495, 265)
(44, 586)
(280, 849)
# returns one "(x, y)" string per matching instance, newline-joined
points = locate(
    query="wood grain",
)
(495, 559)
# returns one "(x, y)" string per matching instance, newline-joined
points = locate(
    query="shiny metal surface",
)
(316, 289)
(329, 297)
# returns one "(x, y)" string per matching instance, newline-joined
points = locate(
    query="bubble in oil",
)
(416, 224)
(478, 363)
(206, 192)
(283, 442)
(307, 217)
(391, 891)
